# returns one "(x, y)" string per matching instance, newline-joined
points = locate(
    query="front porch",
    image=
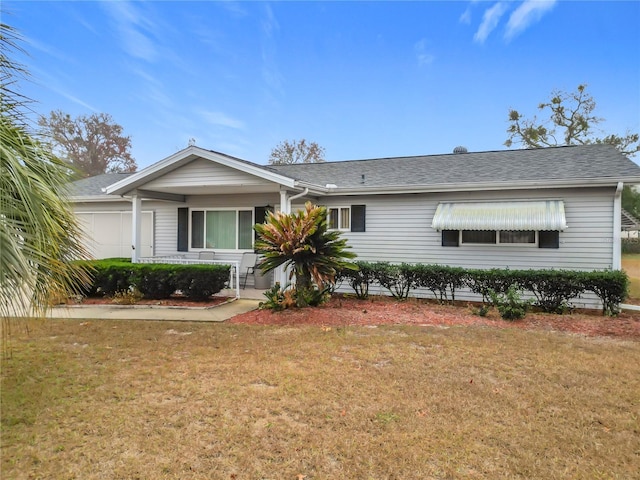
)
(243, 282)
(203, 206)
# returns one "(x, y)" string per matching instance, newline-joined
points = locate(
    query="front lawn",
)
(631, 265)
(117, 399)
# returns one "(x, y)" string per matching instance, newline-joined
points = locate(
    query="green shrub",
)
(440, 280)
(398, 279)
(510, 304)
(278, 299)
(553, 289)
(155, 281)
(359, 279)
(486, 282)
(611, 287)
(312, 296)
(111, 276)
(199, 282)
(482, 310)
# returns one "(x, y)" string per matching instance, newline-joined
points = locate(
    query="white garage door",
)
(108, 234)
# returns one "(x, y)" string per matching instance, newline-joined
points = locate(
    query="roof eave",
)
(94, 198)
(466, 187)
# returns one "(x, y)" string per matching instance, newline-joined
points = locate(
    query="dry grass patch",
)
(631, 265)
(115, 399)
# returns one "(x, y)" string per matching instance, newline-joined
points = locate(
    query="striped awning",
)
(539, 215)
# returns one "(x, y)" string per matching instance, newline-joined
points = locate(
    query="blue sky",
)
(363, 79)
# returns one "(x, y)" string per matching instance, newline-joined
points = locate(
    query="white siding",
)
(398, 229)
(203, 172)
(166, 216)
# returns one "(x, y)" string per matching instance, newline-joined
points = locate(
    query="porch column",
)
(136, 228)
(285, 202)
(280, 274)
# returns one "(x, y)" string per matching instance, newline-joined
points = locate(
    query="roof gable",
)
(143, 178)
(201, 174)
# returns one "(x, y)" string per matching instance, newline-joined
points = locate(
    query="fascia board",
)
(95, 198)
(468, 187)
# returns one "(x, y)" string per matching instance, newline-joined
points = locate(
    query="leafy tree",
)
(571, 121)
(91, 144)
(296, 151)
(631, 200)
(301, 241)
(39, 232)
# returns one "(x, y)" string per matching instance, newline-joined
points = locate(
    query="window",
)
(507, 236)
(478, 236)
(544, 239)
(351, 218)
(222, 229)
(549, 239)
(339, 218)
(450, 238)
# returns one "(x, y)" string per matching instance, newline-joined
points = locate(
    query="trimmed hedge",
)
(155, 280)
(553, 290)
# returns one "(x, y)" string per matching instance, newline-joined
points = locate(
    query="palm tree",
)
(39, 233)
(302, 242)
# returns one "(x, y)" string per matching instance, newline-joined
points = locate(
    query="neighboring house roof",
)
(505, 169)
(94, 186)
(543, 166)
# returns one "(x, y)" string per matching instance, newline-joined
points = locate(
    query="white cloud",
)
(48, 49)
(529, 12)
(466, 16)
(220, 119)
(490, 21)
(74, 99)
(270, 71)
(422, 54)
(134, 28)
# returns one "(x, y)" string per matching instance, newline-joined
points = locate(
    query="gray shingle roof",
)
(509, 166)
(92, 186)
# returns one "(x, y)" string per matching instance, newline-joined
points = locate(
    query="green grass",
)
(116, 399)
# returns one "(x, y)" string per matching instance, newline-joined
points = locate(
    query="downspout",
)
(298, 195)
(617, 227)
(281, 272)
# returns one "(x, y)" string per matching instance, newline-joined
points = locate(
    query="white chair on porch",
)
(247, 267)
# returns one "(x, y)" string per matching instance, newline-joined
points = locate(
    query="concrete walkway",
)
(249, 301)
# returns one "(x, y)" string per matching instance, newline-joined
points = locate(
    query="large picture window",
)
(222, 229)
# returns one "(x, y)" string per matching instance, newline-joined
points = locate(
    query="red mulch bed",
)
(346, 310)
(343, 310)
